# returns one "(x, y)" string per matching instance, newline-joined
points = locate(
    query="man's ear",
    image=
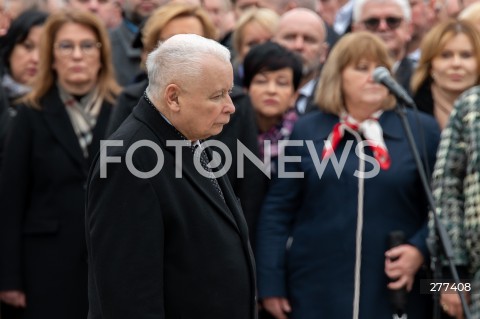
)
(171, 94)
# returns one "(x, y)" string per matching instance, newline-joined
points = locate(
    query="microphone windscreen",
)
(380, 73)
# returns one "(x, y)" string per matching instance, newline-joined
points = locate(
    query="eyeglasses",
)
(66, 48)
(372, 24)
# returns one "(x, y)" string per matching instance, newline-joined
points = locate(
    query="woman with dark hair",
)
(19, 53)
(18, 63)
(272, 77)
(51, 142)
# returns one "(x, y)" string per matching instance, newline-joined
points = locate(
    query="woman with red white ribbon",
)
(322, 240)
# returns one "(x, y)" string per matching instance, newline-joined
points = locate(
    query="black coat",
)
(164, 247)
(42, 224)
(4, 120)
(242, 127)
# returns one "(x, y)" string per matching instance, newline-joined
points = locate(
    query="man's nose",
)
(299, 43)
(93, 6)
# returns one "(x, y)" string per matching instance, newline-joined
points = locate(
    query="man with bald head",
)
(303, 31)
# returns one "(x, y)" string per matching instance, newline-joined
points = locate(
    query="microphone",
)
(398, 297)
(382, 75)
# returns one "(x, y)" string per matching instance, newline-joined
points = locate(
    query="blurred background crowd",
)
(72, 70)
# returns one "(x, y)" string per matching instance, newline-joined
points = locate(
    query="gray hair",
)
(359, 4)
(179, 58)
(308, 4)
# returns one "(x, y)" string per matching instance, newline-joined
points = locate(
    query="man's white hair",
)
(180, 58)
(403, 4)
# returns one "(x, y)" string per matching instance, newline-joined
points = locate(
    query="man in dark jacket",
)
(166, 236)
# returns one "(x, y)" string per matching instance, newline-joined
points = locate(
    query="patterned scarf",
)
(83, 114)
(370, 129)
(277, 133)
(12, 88)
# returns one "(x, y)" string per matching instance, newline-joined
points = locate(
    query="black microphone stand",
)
(440, 229)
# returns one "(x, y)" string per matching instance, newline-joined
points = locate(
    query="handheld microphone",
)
(382, 75)
(398, 297)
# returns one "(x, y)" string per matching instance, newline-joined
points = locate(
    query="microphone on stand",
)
(398, 297)
(382, 76)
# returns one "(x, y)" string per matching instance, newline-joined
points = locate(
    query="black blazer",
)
(164, 247)
(42, 190)
(404, 72)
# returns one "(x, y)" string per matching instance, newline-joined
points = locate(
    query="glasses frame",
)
(372, 24)
(68, 52)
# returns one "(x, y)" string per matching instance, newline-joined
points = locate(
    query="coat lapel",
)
(59, 124)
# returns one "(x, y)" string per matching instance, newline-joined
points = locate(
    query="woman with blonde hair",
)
(449, 65)
(53, 138)
(166, 21)
(322, 239)
(255, 26)
(472, 14)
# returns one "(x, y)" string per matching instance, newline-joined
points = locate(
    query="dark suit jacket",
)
(42, 190)
(125, 58)
(164, 247)
(404, 73)
(311, 106)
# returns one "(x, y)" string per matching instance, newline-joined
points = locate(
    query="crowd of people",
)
(117, 199)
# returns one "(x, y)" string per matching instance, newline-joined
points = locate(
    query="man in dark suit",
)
(166, 236)
(304, 32)
(126, 58)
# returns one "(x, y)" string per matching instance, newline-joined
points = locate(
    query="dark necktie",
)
(204, 162)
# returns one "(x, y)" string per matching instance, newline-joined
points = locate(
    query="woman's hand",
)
(277, 307)
(451, 304)
(401, 264)
(14, 298)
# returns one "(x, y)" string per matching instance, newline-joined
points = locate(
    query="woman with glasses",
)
(449, 65)
(18, 63)
(52, 140)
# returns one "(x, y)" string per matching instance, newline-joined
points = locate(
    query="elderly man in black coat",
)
(166, 236)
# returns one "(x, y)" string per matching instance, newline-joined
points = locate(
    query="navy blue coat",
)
(315, 268)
